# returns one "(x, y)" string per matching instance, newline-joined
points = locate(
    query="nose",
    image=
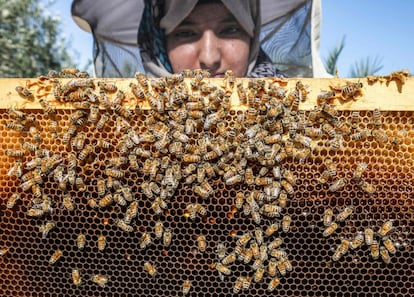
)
(209, 52)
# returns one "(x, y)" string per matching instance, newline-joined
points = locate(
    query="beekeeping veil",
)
(288, 34)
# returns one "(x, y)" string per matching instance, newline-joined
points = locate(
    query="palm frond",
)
(331, 61)
(366, 66)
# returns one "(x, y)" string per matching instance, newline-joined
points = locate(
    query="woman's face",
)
(209, 38)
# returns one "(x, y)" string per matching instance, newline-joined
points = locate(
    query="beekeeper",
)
(250, 37)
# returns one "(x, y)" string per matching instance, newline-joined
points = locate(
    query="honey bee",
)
(357, 241)
(102, 121)
(150, 269)
(360, 170)
(101, 243)
(67, 202)
(277, 242)
(92, 203)
(101, 187)
(329, 129)
(201, 243)
(288, 264)
(246, 282)
(32, 147)
(389, 245)
(274, 282)
(351, 90)
(133, 162)
(367, 187)
(355, 119)
(204, 189)
(223, 269)
(76, 277)
(81, 241)
(327, 217)
(338, 185)
(376, 118)
(244, 239)
(36, 190)
(361, 134)
(330, 229)
(379, 135)
(15, 126)
(201, 210)
(158, 229)
(271, 210)
(4, 251)
(80, 185)
(272, 267)
(14, 153)
(246, 256)
(281, 267)
(286, 221)
(270, 230)
(325, 97)
(84, 153)
(46, 228)
(385, 228)
(385, 255)
(167, 237)
(341, 250)
(369, 236)
(107, 86)
(221, 250)
(287, 187)
(124, 226)
(25, 93)
(257, 218)
(229, 259)
(330, 168)
(138, 91)
(93, 116)
(115, 173)
(374, 247)
(336, 143)
(11, 202)
(35, 212)
(55, 256)
(100, 280)
(71, 176)
(186, 287)
(65, 72)
(238, 284)
(47, 108)
(344, 214)
(145, 240)
(278, 253)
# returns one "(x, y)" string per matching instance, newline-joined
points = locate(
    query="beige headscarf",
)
(246, 12)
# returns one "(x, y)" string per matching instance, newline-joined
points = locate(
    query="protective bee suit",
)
(284, 34)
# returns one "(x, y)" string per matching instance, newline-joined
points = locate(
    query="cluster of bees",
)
(262, 252)
(185, 139)
(368, 237)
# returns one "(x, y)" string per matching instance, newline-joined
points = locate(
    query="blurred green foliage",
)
(30, 40)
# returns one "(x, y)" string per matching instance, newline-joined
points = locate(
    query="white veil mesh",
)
(289, 35)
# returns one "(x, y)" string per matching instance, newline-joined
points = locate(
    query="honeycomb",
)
(196, 197)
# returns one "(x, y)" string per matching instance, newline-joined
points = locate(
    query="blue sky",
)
(372, 28)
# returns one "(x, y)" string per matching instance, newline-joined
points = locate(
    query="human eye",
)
(231, 31)
(184, 33)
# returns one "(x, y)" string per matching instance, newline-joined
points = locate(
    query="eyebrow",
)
(228, 19)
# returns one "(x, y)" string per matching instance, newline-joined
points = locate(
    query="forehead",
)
(209, 13)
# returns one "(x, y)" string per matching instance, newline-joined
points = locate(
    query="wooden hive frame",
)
(391, 94)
